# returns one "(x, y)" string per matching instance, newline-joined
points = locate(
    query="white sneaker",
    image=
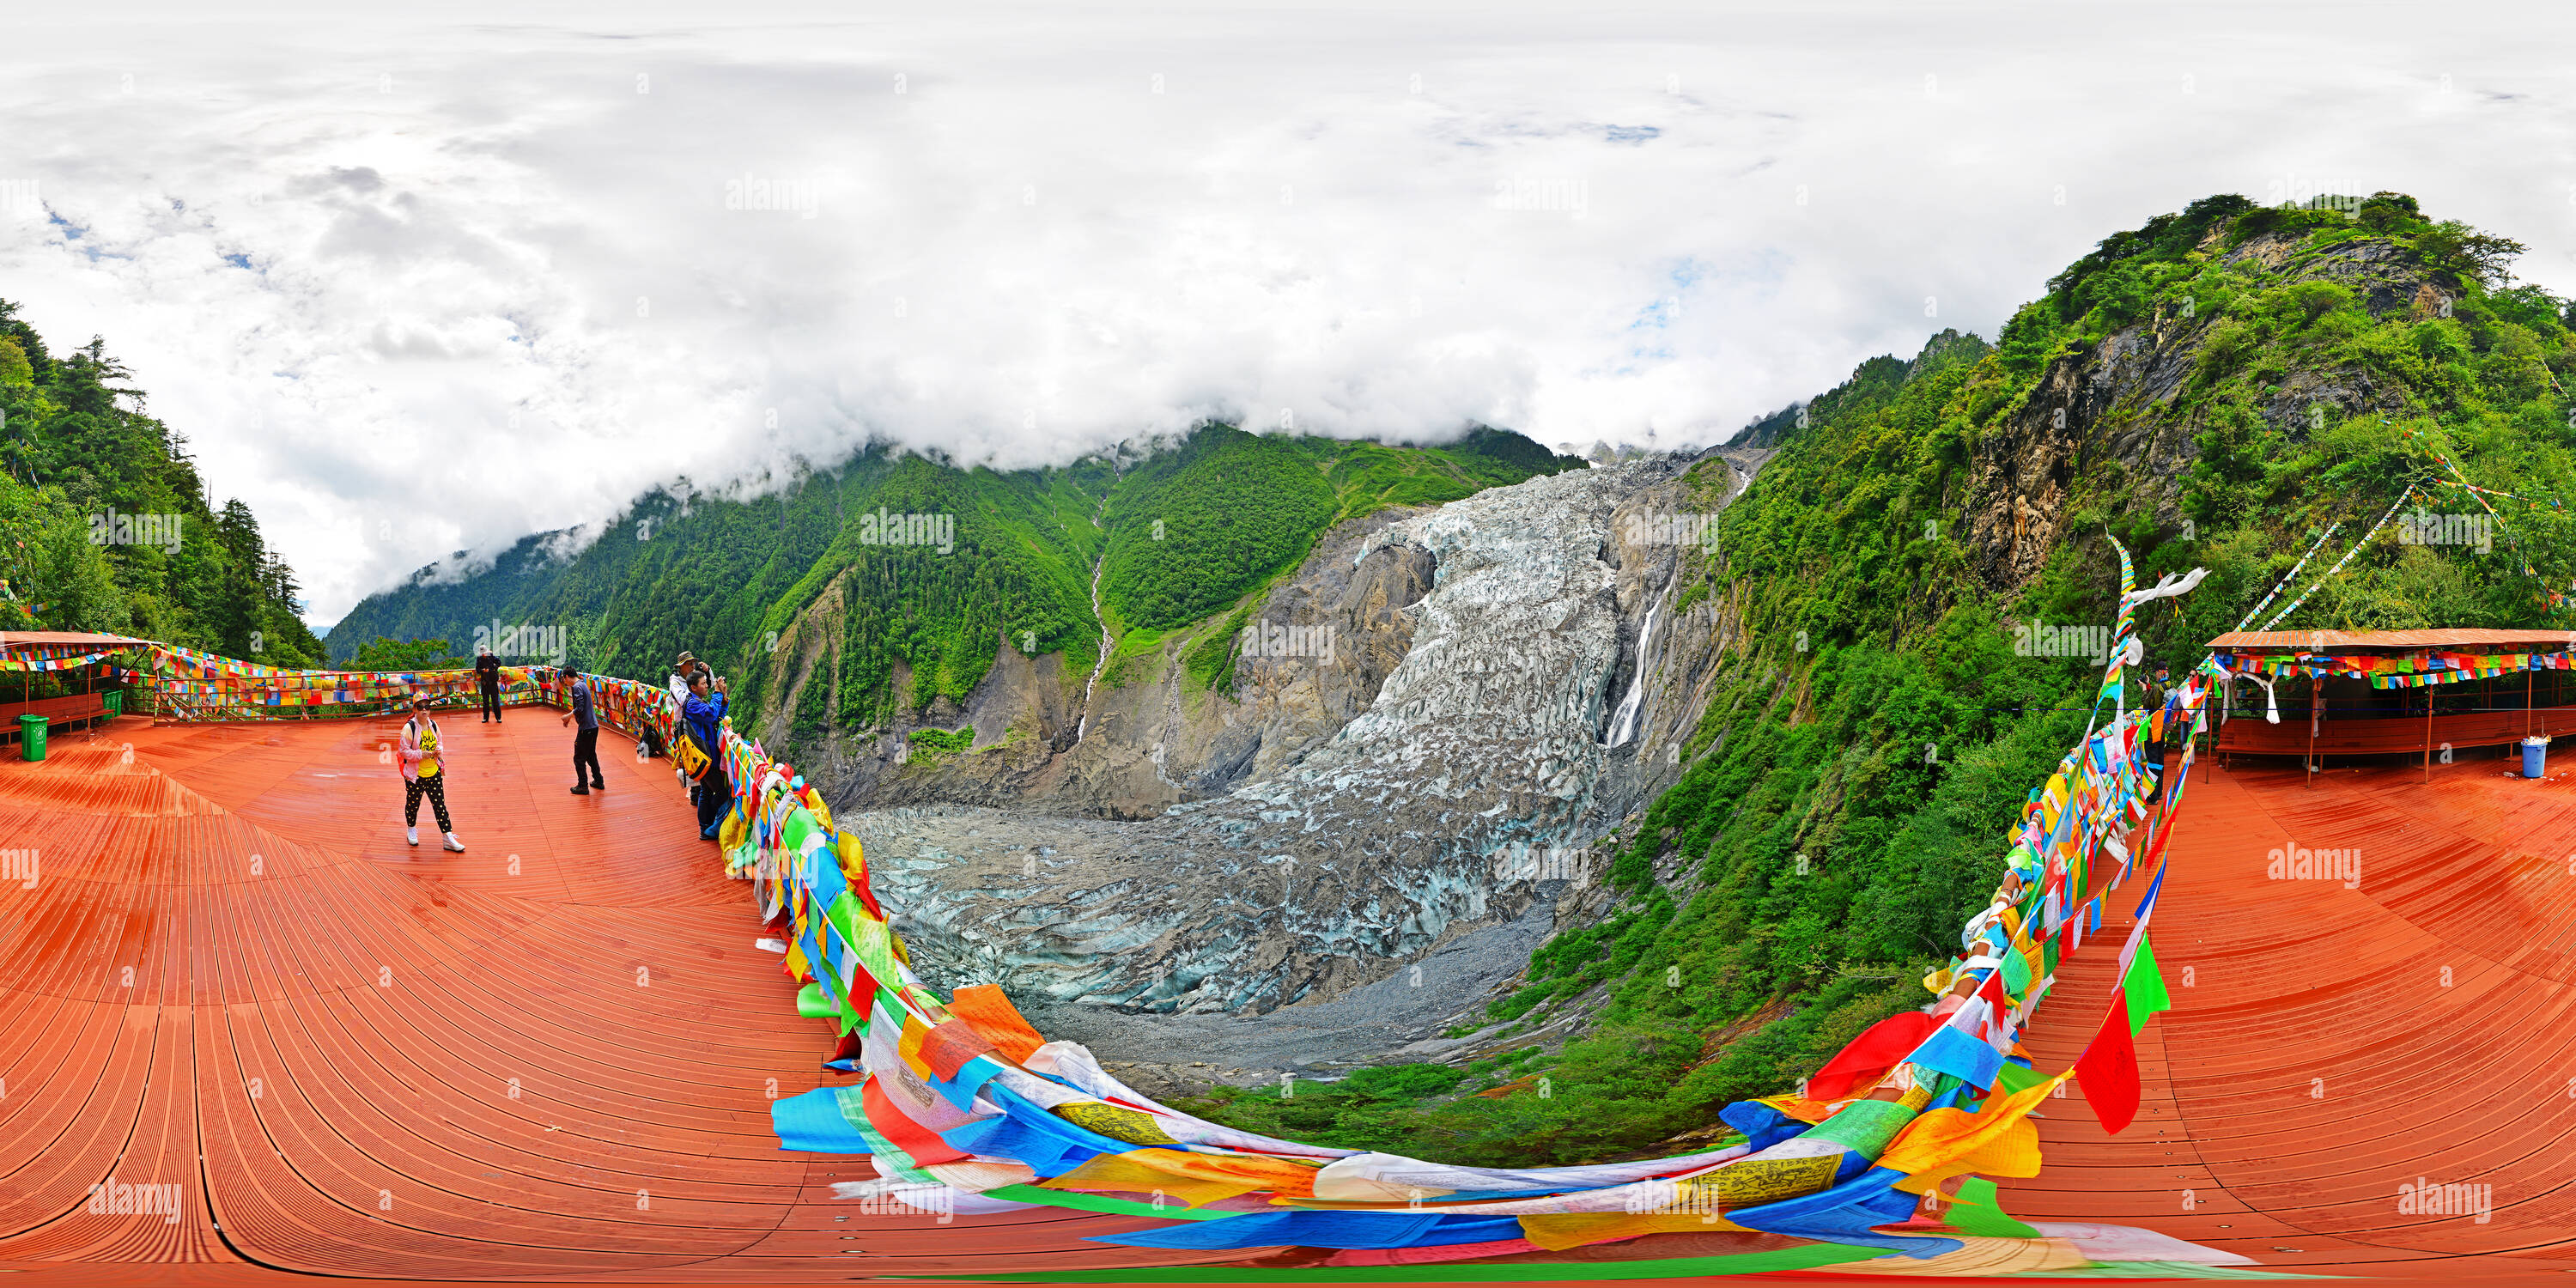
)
(454, 844)
(412, 834)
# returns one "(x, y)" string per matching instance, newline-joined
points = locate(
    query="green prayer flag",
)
(873, 938)
(1977, 1209)
(1171, 1210)
(2145, 986)
(2013, 1077)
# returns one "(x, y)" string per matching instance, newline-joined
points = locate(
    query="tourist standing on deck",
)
(585, 741)
(487, 677)
(687, 668)
(424, 773)
(704, 715)
(683, 670)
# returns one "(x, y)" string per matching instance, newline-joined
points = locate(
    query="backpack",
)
(693, 759)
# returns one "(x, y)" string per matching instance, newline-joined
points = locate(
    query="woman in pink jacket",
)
(424, 774)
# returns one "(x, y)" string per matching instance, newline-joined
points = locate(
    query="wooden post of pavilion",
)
(2226, 699)
(2316, 713)
(2428, 732)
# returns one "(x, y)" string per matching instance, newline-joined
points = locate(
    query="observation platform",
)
(551, 1057)
(548, 1057)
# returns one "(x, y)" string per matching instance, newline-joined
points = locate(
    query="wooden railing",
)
(71, 708)
(2382, 734)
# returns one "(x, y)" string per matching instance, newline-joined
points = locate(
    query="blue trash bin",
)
(2535, 756)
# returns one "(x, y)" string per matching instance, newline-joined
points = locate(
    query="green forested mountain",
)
(80, 453)
(2214, 389)
(1187, 531)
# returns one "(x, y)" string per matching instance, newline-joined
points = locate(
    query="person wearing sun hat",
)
(683, 670)
(424, 774)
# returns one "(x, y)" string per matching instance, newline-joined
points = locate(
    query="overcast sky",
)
(415, 286)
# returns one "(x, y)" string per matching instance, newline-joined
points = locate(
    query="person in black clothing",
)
(487, 674)
(585, 743)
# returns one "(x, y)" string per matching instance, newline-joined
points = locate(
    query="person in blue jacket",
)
(704, 714)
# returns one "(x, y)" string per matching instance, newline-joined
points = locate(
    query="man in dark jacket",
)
(487, 675)
(585, 743)
(704, 715)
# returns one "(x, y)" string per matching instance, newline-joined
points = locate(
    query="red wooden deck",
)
(549, 1056)
(232, 976)
(2328, 1045)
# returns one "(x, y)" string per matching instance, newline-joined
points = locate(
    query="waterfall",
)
(1624, 725)
(1083, 724)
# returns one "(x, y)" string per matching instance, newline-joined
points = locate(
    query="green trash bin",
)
(115, 700)
(31, 736)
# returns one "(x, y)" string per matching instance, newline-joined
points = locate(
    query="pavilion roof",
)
(2442, 638)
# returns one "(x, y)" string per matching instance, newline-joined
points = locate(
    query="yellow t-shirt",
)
(429, 748)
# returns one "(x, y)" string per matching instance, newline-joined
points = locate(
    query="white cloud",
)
(411, 290)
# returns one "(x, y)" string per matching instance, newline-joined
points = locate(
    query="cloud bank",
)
(416, 288)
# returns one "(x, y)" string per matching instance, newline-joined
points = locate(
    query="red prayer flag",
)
(1998, 1006)
(911, 1137)
(2108, 1069)
(1871, 1055)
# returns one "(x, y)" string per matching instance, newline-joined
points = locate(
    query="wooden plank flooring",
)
(2328, 1045)
(552, 1057)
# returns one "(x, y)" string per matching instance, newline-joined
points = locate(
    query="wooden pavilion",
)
(30, 652)
(2378, 693)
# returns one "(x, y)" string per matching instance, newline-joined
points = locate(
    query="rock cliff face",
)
(1508, 676)
(2108, 413)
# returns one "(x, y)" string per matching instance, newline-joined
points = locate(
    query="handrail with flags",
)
(963, 1106)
